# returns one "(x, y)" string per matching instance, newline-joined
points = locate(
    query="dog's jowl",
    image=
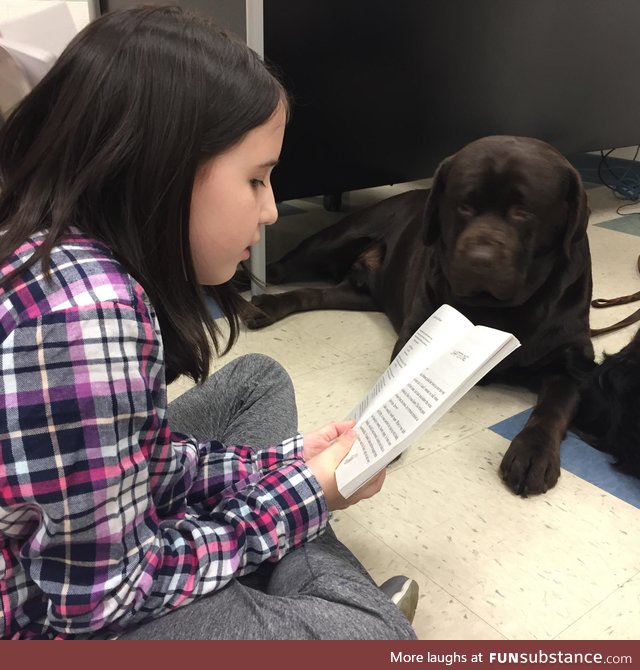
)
(501, 237)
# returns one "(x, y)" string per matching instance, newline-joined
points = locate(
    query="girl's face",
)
(231, 197)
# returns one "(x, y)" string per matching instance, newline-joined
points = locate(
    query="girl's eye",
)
(466, 210)
(257, 183)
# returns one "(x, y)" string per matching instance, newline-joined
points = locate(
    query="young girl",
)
(136, 172)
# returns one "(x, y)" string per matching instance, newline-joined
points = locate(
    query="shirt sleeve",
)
(133, 521)
(222, 466)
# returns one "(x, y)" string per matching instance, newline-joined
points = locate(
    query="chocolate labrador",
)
(501, 237)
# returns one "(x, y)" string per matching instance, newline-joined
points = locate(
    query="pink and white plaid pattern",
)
(107, 518)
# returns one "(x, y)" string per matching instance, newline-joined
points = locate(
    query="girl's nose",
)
(269, 212)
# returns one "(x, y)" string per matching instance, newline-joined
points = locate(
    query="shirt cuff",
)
(303, 509)
(289, 450)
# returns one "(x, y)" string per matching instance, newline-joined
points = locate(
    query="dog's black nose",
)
(481, 257)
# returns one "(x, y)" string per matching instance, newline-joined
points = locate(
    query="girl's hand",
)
(319, 440)
(323, 465)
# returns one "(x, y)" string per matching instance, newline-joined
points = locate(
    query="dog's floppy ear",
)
(431, 224)
(577, 212)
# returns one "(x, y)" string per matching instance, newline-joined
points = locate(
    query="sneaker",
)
(403, 592)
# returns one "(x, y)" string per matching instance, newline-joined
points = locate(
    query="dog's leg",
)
(354, 292)
(532, 462)
(422, 307)
(330, 253)
(266, 309)
(326, 255)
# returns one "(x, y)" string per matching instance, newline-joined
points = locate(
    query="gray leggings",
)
(318, 591)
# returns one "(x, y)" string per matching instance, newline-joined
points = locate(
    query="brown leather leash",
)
(622, 300)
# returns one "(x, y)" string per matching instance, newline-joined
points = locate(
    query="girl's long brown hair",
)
(110, 141)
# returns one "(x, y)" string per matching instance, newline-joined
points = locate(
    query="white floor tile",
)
(617, 617)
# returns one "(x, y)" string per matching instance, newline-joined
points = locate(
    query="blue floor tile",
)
(582, 460)
(625, 224)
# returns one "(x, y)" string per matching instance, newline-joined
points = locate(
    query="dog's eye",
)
(466, 210)
(518, 214)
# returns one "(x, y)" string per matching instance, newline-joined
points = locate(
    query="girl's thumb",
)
(345, 441)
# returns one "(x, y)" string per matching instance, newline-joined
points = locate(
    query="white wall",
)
(82, 11)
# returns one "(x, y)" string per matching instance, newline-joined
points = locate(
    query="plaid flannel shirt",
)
(107, 518)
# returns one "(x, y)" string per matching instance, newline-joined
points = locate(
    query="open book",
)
(445, 358)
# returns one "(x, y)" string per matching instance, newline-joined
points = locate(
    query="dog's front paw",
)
(263, 311)
(530, 466)
(253, 316)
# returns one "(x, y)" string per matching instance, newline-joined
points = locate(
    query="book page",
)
(420, 403)
(432, 339)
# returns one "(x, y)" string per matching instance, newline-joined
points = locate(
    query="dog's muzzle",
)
(483, 263)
